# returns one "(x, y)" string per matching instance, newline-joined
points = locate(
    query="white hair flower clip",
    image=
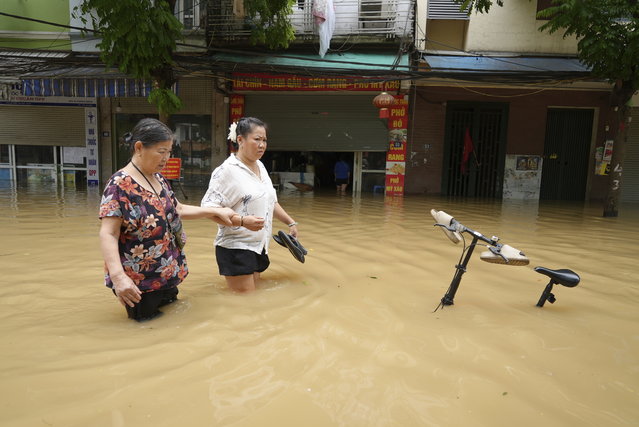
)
(232, 132)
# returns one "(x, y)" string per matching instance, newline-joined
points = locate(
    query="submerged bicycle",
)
(497, 253)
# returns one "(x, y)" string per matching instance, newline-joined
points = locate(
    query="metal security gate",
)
(42, 125)
(480, 130)
(566, 154)
(329, 123)
(630, 177)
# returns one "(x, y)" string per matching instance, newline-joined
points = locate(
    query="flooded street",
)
(348, 338)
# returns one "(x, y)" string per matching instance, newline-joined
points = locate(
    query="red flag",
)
(468, 148)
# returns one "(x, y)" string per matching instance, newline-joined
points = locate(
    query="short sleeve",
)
(219, 193)
(112, 201)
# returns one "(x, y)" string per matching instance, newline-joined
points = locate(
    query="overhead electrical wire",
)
(204, 63)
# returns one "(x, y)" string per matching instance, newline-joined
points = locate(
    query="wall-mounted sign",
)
(171, 169)
(603, 157)
(91, 137)
(527, 163)
(284, 82)
(396, 154)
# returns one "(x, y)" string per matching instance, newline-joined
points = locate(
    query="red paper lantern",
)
(383, 101)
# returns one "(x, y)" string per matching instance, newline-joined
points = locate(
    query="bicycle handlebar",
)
(497, 253)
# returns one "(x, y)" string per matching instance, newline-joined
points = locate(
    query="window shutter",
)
(445, 9)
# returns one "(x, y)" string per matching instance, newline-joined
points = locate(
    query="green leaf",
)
(138, 37)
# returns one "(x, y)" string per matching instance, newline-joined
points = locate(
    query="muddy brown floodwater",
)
(347, 339)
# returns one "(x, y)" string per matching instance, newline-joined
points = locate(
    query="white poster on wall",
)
(522, 177)
(74, 155)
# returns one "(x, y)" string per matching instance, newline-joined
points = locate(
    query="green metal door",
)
(483, 172)
(566, 154)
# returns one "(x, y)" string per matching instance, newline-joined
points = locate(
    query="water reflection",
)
(347, 339)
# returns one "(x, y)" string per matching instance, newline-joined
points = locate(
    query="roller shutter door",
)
(630, 185)
(35, 125)
(329, 123)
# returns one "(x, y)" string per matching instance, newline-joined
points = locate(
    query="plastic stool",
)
(378, 187)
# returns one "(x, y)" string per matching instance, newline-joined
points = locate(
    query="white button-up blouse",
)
(235, 186)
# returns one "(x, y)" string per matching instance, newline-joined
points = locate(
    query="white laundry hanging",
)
(324, 13)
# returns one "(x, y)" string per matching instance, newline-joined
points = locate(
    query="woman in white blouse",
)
(243, 184)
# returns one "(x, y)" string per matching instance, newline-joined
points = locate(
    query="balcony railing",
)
(372, 19)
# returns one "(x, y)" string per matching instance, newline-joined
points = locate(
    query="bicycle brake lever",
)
(495, 254)
(497, 251)
(448, 225)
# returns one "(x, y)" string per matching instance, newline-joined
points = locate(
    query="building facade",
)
(508, 112)
(485, 105)
(319, 106)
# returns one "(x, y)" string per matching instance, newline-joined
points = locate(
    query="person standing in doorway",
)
(243, 184)
(342, 175)
(141, 233)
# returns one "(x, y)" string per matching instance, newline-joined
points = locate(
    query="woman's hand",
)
(281, 214)
(253, 223)
(126, 291)
(224, 215)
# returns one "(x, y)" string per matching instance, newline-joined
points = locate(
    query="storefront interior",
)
(316, 168)
(36, 164)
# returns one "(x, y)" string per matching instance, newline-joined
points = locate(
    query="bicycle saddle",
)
(563, 276)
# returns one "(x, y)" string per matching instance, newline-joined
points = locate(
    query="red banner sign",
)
(396, 154)
(235, 114)
(171, 169)
(237, 108)
(398, 114)
(283, 82)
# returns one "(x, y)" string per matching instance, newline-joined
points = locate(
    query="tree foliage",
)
(138, 37)
(270, 22)
(608, 33)
(481, 6)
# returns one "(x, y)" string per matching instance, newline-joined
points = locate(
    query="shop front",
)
(313, 123)
(48, 139)
(193, 126)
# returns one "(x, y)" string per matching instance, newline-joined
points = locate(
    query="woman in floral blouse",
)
(141, 233)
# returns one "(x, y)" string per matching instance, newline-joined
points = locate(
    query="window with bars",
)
(371, 14)
(188, 13)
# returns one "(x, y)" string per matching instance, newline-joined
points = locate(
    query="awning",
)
(338, 62)
(522, 68)
(83, 82)
(503, 63)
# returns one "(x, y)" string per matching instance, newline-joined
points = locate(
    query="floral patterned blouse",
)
(147, 250)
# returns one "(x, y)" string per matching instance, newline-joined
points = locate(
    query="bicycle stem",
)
(448, 299)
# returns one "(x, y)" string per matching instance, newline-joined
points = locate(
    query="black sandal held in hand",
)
(293, 245)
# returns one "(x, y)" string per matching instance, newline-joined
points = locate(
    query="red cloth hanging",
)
(468, 149)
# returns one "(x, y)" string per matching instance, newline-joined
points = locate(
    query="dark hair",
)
(149, 132)
(245, 126)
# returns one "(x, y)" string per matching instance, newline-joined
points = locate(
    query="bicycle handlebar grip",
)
(443, 218)
(505, 255)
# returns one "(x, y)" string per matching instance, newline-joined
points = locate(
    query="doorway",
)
(566, 154)
(480, 130)
(317, 168)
